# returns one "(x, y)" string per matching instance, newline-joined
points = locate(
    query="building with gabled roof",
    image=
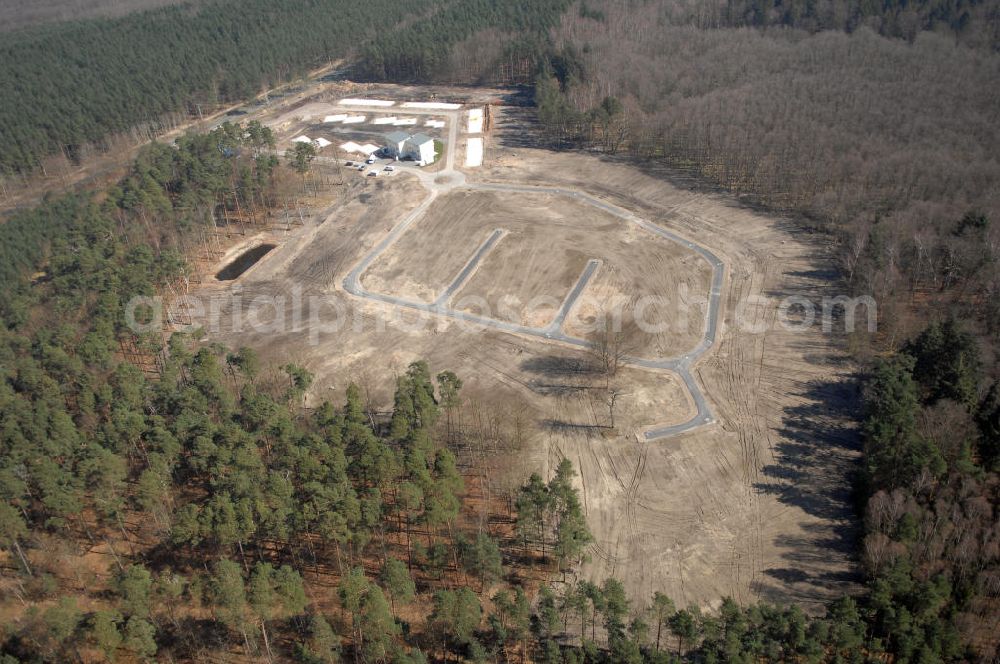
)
(419, 147)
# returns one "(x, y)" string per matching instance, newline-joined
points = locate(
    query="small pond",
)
(244, 262)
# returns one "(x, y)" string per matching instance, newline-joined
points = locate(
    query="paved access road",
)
(463, 276)
(555, 327)
(449, 179)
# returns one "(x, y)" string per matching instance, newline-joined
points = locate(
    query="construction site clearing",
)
(495, 260)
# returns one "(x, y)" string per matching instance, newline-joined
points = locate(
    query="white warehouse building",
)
(419, 147)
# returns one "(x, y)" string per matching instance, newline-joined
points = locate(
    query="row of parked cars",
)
(363, 165)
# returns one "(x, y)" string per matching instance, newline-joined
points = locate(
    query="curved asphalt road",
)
(450, 179)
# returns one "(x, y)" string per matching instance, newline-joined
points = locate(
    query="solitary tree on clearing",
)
(300, 158)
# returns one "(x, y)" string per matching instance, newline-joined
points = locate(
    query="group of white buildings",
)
(398, 145)
(402, 145)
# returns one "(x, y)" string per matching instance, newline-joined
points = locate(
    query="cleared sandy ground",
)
(370, 343)
(426, 259)
(673, 319)
(528, 273)
(755, 506)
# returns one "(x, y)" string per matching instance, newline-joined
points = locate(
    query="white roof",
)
(321, 142)
(354, 119)
(365, 149)
(474, 152)
(476, 121)
(302, 139)
(431, 104)
(335, 118)
(387, 120)
(405, 122)
(437, 124)
(366, 102)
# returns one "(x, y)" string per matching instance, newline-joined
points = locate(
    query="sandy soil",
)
(676, 280)
(755, 506)
(430, 255)
(529, 272)
(369, 343)
(758, 505)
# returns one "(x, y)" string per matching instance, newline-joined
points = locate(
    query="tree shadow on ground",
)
(558, 389)
(568, 376)
(817, 459)
(815, 468)
(560, 366)
(807, 576)
(787, 574)
(190, 636)
(574, 429)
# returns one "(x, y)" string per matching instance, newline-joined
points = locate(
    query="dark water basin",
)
(244, 262)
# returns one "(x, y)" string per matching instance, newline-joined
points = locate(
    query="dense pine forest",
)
(425, 50)
(70, 85)
(17, 14)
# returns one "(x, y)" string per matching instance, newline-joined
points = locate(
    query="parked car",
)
(371, 160)
(372, 174)
(350, 163)
(388, 168)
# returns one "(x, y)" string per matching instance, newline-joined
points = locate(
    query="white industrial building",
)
(418, 147)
